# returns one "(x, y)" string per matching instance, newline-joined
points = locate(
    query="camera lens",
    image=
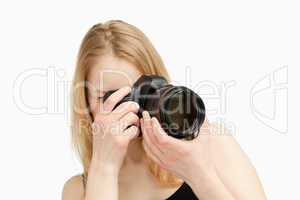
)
(182, 112)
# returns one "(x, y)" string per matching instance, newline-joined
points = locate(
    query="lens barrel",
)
(179, 110)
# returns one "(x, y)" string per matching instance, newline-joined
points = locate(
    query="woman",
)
(120, 165)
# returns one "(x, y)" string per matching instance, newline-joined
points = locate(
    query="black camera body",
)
(180, 111)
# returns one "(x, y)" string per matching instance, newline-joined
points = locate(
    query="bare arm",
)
(210, 187)
(235, 169)
(73, 189)
(234, 177)
(213, 164)
(110, 141)
(102, 183)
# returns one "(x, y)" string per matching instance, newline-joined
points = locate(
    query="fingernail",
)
(155, 121)
(144, 113)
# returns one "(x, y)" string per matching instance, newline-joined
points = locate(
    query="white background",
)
(217, 41)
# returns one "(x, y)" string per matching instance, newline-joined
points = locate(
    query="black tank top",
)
(184, 192)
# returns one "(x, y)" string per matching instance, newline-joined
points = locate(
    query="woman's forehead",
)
(111, 80)
(111, 77)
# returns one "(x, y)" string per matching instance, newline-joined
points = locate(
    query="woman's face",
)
(108, 73)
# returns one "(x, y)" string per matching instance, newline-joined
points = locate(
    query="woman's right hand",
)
(111, 131)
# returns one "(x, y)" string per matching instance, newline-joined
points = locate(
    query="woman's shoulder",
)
(73, 188)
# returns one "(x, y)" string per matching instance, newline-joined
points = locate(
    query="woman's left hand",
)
(189, 160)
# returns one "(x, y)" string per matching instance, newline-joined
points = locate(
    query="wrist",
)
(199, 173)
(100, 167)
(102, 181)
(203, 179)
(210, 186)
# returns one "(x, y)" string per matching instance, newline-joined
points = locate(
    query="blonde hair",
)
(124, 41)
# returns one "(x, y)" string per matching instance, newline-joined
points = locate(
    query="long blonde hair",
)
(124, 41)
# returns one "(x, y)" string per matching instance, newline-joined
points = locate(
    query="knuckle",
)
(110, 101)
(133, 129)
(115, 128)
(113, 116)
(136, 129)
(133, 116)
(133, 106)
(102, 119)
(130, 115)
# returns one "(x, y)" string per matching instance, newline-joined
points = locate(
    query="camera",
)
(179, 110)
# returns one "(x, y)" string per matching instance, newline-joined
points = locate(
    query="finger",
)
(125, 107)
(147, 130)
(151, 154)
(129, 119)
(161, 137)
(145, 133)
(131, 132)
(147, 122)
(152, 148)
(147, 127)
(114, 98)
